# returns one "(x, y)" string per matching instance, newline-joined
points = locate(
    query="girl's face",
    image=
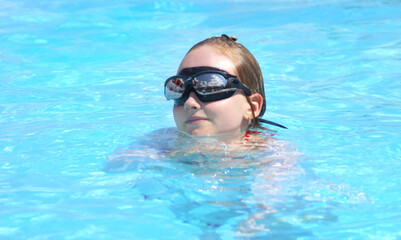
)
(225, 116)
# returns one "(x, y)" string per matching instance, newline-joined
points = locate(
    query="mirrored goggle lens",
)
(174, 88)
(209, 82)
(204, 84)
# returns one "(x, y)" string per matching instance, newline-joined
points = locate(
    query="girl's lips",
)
(194, 120)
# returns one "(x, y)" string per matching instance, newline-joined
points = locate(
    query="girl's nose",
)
(192, 103)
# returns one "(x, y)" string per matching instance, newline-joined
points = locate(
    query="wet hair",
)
(248, 70)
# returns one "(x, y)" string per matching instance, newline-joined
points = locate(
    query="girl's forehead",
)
(207, 56)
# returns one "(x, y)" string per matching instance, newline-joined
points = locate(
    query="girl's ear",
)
(256, 100)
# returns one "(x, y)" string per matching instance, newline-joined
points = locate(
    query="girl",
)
(218, 90)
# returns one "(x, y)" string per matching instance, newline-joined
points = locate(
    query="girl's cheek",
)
(178, 112)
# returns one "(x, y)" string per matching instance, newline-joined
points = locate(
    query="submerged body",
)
(208, 181)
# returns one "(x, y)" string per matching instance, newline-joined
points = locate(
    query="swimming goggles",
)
(208, 83)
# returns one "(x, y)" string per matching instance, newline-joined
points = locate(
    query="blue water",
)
(80, 80)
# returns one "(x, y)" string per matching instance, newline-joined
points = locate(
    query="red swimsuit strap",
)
(249, 132)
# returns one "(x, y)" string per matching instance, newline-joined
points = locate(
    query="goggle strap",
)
(272, 123)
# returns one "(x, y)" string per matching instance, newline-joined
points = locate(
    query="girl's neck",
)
(226, 138)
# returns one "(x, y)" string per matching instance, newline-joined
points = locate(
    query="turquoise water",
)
(81, 79)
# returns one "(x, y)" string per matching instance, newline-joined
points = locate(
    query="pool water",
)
(81, 81)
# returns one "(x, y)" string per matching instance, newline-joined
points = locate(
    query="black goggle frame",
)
(205, 94)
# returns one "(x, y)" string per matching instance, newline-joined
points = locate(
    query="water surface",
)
(81, 80)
